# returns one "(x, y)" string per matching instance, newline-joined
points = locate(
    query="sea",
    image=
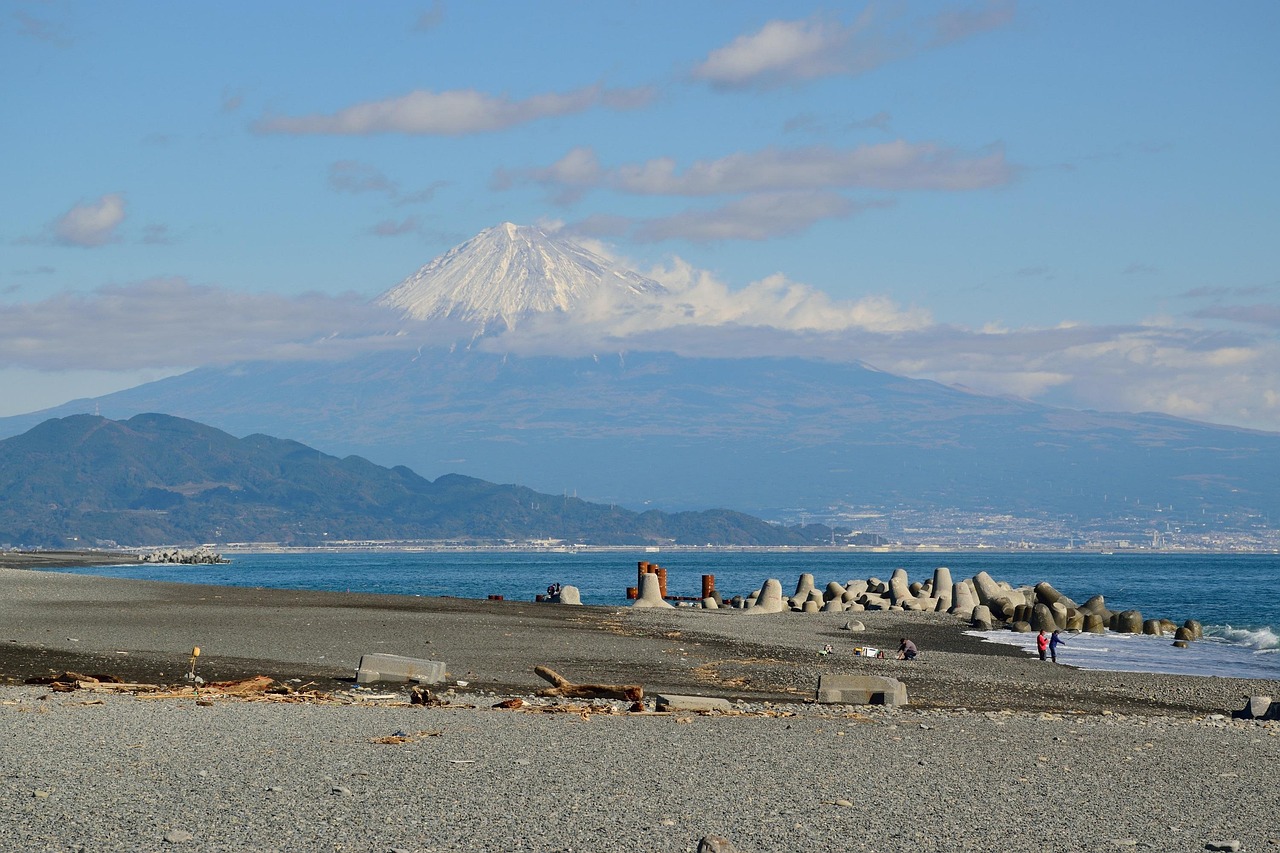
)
(1235, 596)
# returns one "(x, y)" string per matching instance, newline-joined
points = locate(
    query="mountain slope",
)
(782, 438)
(158, 479)
(508, 272)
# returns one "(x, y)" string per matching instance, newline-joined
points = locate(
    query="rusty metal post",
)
(708, 585)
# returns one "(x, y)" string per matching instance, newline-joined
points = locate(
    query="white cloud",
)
(789, 52)
(897, 165)
(164, 324)
(92, 223)
(953, 25)
(350, 176)
(1204, 374)
(1263, 314)
(452, 113)
(782, 51)
(755, 217)
(430, 19)
(392, 228)
(169, 323)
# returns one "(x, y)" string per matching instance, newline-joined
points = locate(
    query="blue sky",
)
(1072, 202)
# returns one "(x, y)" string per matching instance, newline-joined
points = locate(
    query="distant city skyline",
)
(1074, 203)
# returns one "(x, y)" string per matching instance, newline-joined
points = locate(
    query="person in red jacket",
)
(1042, 644)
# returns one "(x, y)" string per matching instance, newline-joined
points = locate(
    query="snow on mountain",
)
(509, 272)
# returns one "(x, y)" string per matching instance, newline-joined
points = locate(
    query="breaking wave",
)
(1262, 639)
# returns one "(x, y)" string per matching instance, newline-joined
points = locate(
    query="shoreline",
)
(1072, 760)
(146, 630)
(91, 557)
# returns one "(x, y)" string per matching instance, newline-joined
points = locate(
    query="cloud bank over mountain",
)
(1215, 374)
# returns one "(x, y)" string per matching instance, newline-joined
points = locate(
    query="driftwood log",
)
(562, 686)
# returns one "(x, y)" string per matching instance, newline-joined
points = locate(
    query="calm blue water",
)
(1237, 597)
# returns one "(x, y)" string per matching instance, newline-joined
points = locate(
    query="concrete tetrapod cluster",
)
(980, 600)
(1043, 608)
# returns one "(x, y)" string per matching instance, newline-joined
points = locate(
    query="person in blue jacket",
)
(1055, 641)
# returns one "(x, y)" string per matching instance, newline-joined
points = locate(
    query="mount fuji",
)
(790, 439)
(508, 273)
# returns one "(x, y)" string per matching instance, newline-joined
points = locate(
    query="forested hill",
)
(89, 481)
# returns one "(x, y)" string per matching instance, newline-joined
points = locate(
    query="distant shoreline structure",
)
(35, 558)
(554, 548)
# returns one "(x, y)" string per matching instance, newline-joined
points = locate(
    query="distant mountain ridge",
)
(155, 479)
(509, 272)
(786, 438)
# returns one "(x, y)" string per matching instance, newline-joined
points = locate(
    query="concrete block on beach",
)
(1126, 622)
(962, 599)
(986, 587)
(382, 667)
(650, 592)
(570, 595)
(770, 598)
(1258, 708)
(675, 702)
(900, 587)
(942, 589)
(1042, 618)
(849, 689)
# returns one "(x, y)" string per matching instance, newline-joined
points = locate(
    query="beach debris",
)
(422, 696)
(243, 686)
(177, 836)
(510, 704)
(191, 670)
(66, 681)
(403, 737)
(374, 697)
(715, 844)
(1232, 846)
(562, 686)
(849, 689)
(699, 704)
(384, 667)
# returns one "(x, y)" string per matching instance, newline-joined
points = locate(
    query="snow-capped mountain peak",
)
(509, 272)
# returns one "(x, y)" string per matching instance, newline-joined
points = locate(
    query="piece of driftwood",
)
(68, 677)
(562, 686)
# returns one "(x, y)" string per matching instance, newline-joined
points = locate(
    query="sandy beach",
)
(996, 750)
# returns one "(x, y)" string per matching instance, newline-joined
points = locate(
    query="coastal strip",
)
(1068, 760)
(146, 630)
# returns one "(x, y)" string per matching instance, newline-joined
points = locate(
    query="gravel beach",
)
(996, 751)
